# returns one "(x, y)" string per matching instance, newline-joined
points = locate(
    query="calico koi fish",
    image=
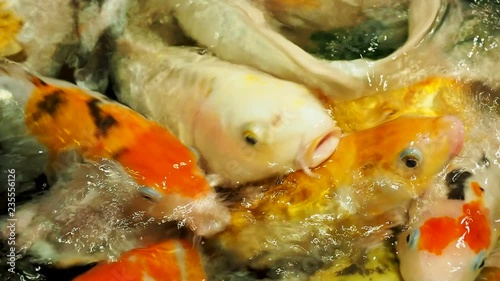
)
(452, 238)
(64, 117)
(172, 260)
(371, 173)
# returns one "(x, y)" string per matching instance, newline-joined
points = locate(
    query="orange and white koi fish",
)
(64, 117)
(452, 239)
(172, 260)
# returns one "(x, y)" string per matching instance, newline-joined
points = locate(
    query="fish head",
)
(451, 238)
(394, 161)
(274, 130)
(409, 149)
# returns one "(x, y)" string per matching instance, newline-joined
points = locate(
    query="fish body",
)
(64, 117)
(173, 260)
(433, 96)
(238, 31)
(372, 173)
(246, 125)
(452, 238)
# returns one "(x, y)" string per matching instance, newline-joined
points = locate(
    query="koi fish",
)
(372, 173)
(433, 96)
(250, 39)
(247, 125)
(453, 237)
(93, 212)
(63, 117)
(172, 260)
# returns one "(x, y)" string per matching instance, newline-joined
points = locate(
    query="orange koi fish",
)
(64, 117)
(452, 238)
(172, 260)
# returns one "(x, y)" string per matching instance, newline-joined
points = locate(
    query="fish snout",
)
(455, 132)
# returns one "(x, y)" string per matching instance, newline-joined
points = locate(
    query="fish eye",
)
(412, 238)
(480, 261)
(150, 194)
(256, 133)
(411, 157)
(250, 138)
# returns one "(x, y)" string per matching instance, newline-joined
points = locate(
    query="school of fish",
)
(240, 140)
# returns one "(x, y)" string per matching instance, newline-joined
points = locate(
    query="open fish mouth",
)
(318, 150)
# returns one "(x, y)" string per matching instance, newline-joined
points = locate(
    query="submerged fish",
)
(240, 32)
(172, 260)
(64, 117)
(247, 125)
(452, 238)
(357, 193)
(93, 212)
(46, 26)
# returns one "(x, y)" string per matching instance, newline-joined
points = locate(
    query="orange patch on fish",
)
(69, 118)
(476, 226)
(172, 260)
(437, 233)
(477, 189)
(473, 227)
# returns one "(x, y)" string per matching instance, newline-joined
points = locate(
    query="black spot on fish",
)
(455, 180)
(37, 81)
(119, 153)
(51, 102)
(103, 122)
